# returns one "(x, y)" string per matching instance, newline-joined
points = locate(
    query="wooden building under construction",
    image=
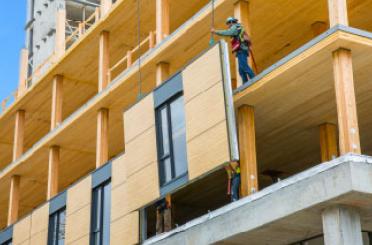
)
(124, 106)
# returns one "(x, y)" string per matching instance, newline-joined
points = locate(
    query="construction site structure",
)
(128, 113)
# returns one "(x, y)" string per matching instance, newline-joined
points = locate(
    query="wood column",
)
(241, 12)
(14, 197)
(162, 72)
(102, 137)
(328, 142)
(23, 66)
(19, 130)
(346, 105)
(105, 6)
(247, 149)
(57, 101)
(60, 42)
(53, 170)
(162, 20)
(337, 10)
(104, 60)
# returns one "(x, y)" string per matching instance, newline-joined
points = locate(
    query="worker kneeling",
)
(240, 43)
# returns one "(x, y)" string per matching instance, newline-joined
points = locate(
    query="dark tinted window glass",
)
(57, 223)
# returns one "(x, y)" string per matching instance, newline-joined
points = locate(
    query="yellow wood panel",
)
(40, 238)
(125, 230)
(139, 118)
(208, 150)
(40, 219)
(140, 189)
(82, 241)
(21, 230)
(198, 111)
(78, 224)
(79, 195)
(202, 74)
(118, 170)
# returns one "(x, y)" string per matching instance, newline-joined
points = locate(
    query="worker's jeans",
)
(235, 183)
(244, 70)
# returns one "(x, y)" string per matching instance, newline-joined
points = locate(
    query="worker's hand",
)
(213, 30)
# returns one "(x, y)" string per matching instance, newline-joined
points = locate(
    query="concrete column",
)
(162, 20)
(19, 131)
(341, 226)
(348, 128)
(162, 72)
(104, 60)
(53, 169)
(102, 137)
(337, 10)
(247, 149)
(14, 196)
(23, 64)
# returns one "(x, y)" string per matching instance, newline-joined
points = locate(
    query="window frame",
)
(54, 222)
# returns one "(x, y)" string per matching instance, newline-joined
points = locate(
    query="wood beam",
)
(162, 72)
(14, 197)
(57, 101)
(104, 60)
(19, 130)
(247, 149)
(162, 19)
(105, 6)
(60, 43)
(348, 128)
(319, 27)
(23, 66)
(53, 170)
(328, 142)
(102, 137)
(241, 12)
(337, 10)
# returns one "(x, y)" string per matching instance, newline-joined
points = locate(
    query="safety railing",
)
(127, 60)
(82, 28)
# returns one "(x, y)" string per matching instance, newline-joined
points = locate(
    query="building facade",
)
(129, 113)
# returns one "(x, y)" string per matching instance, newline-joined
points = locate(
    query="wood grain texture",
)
(103, 60)
(328, 142)
(60, 45)
(57, 101)
(162, 19)
(14, 197)
(53, 173)
(19, 134)
(162, 72)
(337, 10)
(346, 104)
(23, 67)
(102, 149)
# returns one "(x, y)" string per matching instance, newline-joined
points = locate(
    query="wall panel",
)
(39, 225)
(125, 230)
(21, 231)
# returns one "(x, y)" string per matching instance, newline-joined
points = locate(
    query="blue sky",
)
(12, 39)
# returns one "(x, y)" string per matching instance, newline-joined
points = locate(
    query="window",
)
(101, 206)
(9, 242)
(56, 235)
(170, 121)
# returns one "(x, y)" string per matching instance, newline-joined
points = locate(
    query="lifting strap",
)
(211, 41)
(139, 96)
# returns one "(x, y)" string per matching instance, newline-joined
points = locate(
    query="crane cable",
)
(139, 50)
(211, 41)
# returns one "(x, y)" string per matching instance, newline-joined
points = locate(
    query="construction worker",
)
(233, 174)
(240, 43)
(163, 216)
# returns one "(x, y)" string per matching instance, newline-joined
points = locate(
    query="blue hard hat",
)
(231, 20)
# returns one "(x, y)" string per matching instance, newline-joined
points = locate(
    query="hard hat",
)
(231, 20)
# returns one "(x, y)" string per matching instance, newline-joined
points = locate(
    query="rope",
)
(139, 51)
(211, 41)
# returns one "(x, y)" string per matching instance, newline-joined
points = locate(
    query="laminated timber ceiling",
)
(80, 64)
(292, 100)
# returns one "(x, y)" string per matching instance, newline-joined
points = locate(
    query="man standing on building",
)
(240, 42)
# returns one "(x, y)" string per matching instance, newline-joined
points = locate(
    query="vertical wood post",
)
(54, 159)
(241, 12)
(328, 142)
(14, 196)
(105, 6)
(247, 149)
(162, 72)
(129, 58)
(152, 40)
(60, 43)
(23, 66)
(346, 105)
(102, 137)
(162, 19)
(19, 130)
(57, 101)
(337, 10)
(104, 60)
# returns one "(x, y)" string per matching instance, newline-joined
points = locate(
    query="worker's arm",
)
(233, 31)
